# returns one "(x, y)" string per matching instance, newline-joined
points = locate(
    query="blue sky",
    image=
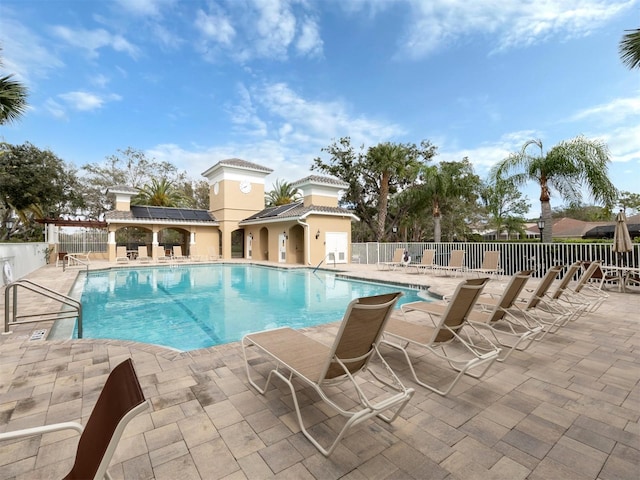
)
(273, 81)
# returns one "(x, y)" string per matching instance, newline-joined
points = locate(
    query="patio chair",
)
(490, 264)
(506, 329)
(395, 262)
(121, 254)
(446, 331)
(213, 255)
(586, 295)
(161, 255)
(456, 261)
(120, 401)
(319, 366)
(540, 308)
(143, 254)
(177, 254)
(427, 262)
(193, 253)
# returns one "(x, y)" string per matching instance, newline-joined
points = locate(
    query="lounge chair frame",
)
(478, 352)
(120, 401)
(121, 254)
(496, 317)
(427, 262)
(395, 262)
(490, 264)
(297, 356)
(456, 263)
(143, 254)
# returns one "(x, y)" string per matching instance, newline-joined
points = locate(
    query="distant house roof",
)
(150, 214)
(571, 228)
(606, 231)
(295, 210)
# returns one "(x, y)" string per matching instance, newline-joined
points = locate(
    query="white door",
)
(336, 243)
(249, 246)
(282, 248)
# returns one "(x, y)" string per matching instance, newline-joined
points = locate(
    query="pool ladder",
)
(72, 308)
(330, 254)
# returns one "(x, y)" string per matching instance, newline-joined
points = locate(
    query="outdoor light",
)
(394, 229)
(540, 227)
(318, 234)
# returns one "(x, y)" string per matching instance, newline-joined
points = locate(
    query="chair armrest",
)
(28, 432)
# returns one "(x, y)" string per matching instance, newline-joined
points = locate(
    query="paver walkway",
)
(567, 408)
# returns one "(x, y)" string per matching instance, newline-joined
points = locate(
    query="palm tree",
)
(282, 194)
(630, 49)
(13, 99)
(160, 193)
(569, 167)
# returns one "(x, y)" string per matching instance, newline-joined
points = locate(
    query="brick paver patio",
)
(567, 408)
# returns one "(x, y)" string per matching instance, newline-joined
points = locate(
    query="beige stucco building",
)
(237, 225)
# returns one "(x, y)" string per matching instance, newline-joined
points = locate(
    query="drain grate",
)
(37, 335)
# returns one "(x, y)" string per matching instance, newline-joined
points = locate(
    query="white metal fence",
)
(83, 241)
(513, 256)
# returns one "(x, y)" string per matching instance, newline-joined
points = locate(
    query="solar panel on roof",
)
(202, 215)
(189, 214)
(156, 212)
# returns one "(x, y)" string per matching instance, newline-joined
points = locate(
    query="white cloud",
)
(515, 23)
(309, 41)
(24, 53)
(615, 111)
(85, 101)
(215, 27)
(93, 40)
(144, 7)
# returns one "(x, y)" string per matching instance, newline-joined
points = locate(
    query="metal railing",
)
(513, 256)
(11, 316)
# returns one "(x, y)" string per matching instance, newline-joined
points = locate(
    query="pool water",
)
(196, 306)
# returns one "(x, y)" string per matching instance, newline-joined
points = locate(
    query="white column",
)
(154, 240)
(112, 238)
(192, 239)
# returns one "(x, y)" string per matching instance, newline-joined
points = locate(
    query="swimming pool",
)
(188, 307)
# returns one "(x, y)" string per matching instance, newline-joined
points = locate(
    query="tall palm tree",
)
(160, 193)
(282, 194)
(13, 99)
(568, 168)
(630, 49)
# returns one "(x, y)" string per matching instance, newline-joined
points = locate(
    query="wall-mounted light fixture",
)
(394, 229)
(251, 236)
(318, 234)
(285, 235)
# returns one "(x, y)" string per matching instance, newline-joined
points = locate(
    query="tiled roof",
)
(319, 179)
(122, 189)
(237, 162)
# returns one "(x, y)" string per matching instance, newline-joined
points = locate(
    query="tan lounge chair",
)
(319, 366)
(177, 254)
(427, 262)
(395, 262)
(213, 255)
(540, 308)
(193, 253)
(121, 255)
(143, 254)
(120, 401)
(456, 263)
(161, 256)
(490, 264)
(446, 331)
(506, 329)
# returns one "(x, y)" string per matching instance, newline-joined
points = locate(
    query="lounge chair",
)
(79, 258)
(193, 253)
(319, 366)
(540, 308)
(143, 254)
(121, 400)
(395, 262)
(177, 254)
(121, 255)
(427, 262)
(506, 329)
(490, 264)
(585, 296)
(446, 331)
(161, 256)
(456, 263)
